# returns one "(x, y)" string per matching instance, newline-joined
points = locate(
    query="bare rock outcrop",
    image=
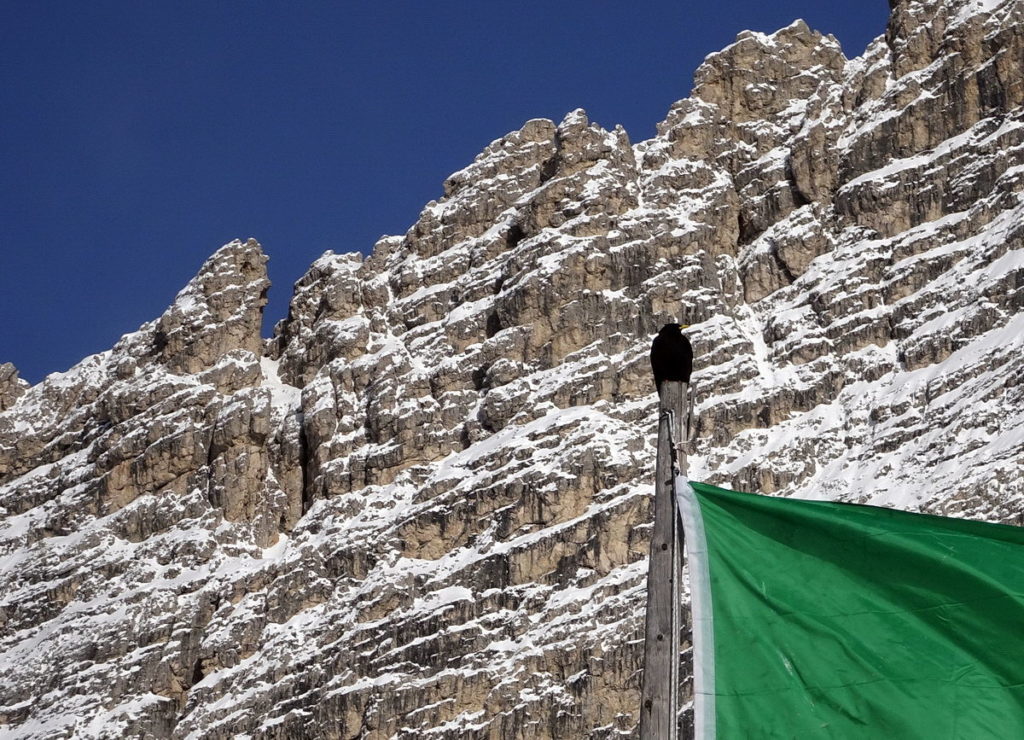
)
(219, 311)
(11, 386)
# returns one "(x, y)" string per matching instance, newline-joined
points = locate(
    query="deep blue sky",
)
(137, 137)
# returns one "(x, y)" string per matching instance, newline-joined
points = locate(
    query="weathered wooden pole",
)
(659, 707)
(686, 433)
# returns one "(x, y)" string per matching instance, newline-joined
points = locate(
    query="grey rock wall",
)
(422, 507)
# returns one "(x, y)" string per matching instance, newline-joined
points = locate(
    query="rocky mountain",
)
(422, 508)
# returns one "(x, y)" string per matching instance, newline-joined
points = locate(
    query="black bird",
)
(671, 355)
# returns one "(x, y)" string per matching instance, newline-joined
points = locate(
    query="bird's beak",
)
(683, 326)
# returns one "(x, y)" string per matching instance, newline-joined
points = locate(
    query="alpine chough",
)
(671, 355)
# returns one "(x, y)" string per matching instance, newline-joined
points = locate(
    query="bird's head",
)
(673, 329)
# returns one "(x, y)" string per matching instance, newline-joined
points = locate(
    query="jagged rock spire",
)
(220, 310)
(11, 386)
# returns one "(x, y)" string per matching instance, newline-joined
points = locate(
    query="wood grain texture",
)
(660, 693)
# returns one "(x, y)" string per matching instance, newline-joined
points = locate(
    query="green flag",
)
(824, 620)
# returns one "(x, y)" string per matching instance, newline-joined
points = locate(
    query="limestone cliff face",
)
(422, 508)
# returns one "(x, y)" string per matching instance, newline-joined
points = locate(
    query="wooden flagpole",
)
(659, 708)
